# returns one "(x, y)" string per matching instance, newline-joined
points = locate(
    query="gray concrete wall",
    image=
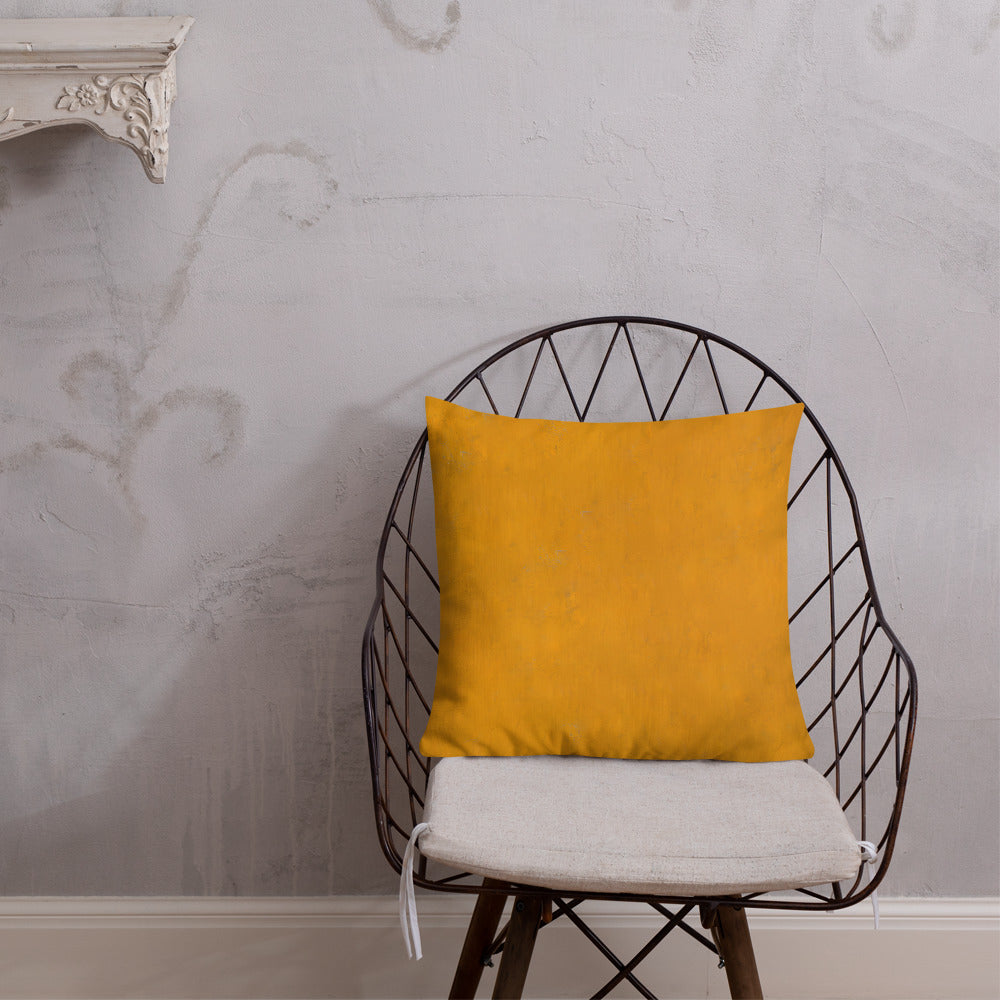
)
(207, 389)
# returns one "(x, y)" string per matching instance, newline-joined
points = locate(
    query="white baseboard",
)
(350, 947)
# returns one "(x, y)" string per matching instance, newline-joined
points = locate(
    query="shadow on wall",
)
(248, 772)
(212, 742)
(217, 735)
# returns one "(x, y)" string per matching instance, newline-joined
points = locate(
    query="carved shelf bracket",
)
(115, 74)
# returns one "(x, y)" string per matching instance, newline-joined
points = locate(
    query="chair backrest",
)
(856, 684)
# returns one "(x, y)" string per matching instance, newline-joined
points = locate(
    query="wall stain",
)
(180, 283)
(227, 408)
(409, 37)
(100, 384)
(898, 35)
(104, 385)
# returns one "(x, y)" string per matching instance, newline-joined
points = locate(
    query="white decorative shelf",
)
(115, 74)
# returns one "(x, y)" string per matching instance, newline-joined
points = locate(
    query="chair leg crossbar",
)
(625, 969)
(727, 924)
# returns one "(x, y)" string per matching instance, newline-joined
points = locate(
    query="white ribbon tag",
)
(408, 898)
(869, 854)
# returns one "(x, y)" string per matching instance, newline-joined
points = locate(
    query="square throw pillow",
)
(613, 590)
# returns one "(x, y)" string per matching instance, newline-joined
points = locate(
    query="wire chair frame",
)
(861, 684)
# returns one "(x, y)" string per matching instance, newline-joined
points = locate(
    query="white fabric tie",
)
(869, 853)
(408, 898)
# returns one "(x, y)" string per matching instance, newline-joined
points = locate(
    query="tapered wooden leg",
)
(732, 937)
(478, 939)
(517, 948)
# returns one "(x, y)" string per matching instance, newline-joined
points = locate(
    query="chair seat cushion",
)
(668, 828)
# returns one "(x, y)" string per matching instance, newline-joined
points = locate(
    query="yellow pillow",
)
(613, 590)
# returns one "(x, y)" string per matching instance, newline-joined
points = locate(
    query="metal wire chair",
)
(856, 683)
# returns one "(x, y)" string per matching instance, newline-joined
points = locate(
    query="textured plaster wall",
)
(207, 389)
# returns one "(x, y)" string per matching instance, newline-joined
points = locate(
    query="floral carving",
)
(85, 95)
(115, 80)
(143, 102)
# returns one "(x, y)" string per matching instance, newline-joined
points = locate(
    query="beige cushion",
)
(691, 827)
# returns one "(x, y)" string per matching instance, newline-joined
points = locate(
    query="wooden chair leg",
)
(517, 948)
(732, 936)
(478, 938)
